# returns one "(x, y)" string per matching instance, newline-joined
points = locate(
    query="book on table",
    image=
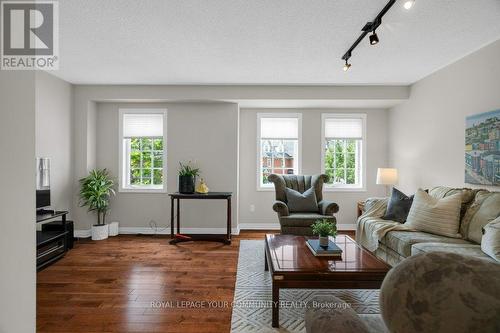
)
(331, 251)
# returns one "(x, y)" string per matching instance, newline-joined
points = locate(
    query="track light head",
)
(408, 4)
(374, 38)
(346, 66)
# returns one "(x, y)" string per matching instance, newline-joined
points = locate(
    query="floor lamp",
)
(387, 176)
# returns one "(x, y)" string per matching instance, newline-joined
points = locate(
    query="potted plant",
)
(95, 191)
(324, 228)
(187, 177)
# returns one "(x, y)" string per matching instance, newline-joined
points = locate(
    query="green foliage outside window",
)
(146, 161)
(340, 161)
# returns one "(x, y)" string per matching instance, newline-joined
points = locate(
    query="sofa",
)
(393, 242)
(299, 223)
(429, 292)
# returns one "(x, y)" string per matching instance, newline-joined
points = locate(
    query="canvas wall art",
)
(482, 148)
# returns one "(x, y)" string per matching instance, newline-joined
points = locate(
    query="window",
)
(143, 150)
(279, 146)
(343, 149)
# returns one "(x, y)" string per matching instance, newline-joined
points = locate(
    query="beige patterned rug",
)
(252, 297)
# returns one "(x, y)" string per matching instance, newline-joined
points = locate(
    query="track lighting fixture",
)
(408, 4)
(371, 27)
(347, 66)
(374, 38)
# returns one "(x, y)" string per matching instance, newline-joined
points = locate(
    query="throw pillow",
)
(398, 207)
(435, 216)
(490, 242)
(301, 202)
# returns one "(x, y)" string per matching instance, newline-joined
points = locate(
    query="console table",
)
(208, 196)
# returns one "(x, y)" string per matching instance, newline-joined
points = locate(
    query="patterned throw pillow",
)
(436, 216)
(490, 242)
(398, 207)
(301, 202)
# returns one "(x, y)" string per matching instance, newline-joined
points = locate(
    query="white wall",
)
(88, 154)
(17, 202)
(206, 133)
(427, 132)
(54, 138)
(264, 216)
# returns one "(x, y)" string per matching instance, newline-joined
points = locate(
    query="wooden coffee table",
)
(292, 265)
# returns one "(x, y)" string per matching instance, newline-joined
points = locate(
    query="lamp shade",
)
(387, 176)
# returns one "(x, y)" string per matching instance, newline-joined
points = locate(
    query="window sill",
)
(142, 190)
(344, 189)
(265, 189)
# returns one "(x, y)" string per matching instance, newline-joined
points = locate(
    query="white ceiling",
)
(264, 41)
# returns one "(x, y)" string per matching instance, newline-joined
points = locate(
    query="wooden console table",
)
(209, 196)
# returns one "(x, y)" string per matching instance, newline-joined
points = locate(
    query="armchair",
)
(299, 223)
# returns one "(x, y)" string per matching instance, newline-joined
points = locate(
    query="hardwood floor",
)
(117, 285)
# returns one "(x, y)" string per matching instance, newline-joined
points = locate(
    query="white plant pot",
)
(323, 241)
(100, 232)
(114, 228)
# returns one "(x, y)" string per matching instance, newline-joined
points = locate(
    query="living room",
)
(374, 125)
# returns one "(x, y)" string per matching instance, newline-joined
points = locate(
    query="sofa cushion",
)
(398, 207)
(484, 209)
(490, 242)
(468, 195)
(437, 216)
(402, 241)
(470, 249)
(303, 219)
(301, 202)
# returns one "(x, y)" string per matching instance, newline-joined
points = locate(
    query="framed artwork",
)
(482, 148)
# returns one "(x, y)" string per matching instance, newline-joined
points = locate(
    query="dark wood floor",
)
(109, 286)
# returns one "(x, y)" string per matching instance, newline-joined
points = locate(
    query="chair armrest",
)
(281, 208)
(328, 207)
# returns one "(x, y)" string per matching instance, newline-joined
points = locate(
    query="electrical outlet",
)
(252, 208)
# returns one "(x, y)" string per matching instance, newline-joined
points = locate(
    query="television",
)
(42, 182)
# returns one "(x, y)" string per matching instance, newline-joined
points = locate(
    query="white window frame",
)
(270, 187)
(121, 148)
(361, 187)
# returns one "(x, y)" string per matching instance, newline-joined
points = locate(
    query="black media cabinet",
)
(51, 245)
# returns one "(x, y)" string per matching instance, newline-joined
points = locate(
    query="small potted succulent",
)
(324, 228)
(187, 177)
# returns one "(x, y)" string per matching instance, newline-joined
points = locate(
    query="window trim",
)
(362, 174)
(121, 166)
(270, 188)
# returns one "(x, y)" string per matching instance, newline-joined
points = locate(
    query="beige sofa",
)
(393, 242)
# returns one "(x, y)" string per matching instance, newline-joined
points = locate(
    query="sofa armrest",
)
(327, 207)
(375, 207)
(281, 208)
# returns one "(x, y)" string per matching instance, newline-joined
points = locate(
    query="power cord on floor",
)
(154, 226)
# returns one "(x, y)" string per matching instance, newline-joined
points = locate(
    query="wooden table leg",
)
(172, 218)
(228, 236)
(266, 267)
(178, 216)
(276, 307)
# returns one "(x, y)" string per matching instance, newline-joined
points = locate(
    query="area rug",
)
(252, 297)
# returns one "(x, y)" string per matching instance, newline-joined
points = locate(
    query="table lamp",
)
(387, 176)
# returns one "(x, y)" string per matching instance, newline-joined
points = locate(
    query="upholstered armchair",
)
(299, 222)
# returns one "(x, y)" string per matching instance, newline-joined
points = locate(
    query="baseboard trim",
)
(82, 233)
(259, 226)
(276, 226)
(159, 231)
(208, 231)
(166, 231)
